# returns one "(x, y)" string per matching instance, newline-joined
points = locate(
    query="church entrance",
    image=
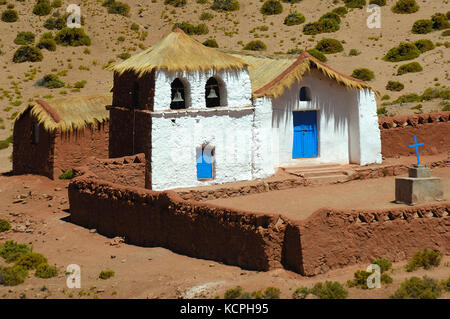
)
(305, 134)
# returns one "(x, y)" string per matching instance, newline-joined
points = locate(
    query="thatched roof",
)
(271, 76)
(178, 52)
(69, 114)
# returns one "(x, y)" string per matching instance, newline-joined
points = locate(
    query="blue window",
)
(205, 158)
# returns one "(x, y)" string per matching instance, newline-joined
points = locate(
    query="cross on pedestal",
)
(417, 149)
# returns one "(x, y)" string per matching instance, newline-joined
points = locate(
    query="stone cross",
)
(417, 149)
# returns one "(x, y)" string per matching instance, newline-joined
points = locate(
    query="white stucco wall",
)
(236, 89)
(177, 135)
(332, 102)
(262, 139)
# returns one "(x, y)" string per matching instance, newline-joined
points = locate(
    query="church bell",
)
(178, 97)
(212, 94)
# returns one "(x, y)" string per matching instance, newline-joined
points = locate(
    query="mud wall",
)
(73, 149)
(398, 132)
(331, 239)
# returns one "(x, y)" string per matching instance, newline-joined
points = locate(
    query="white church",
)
(204, 116)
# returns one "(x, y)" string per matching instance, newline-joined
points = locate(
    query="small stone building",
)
(204, 116)
(53, 136)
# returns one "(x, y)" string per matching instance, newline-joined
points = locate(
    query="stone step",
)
(290, 169)
(328, 179)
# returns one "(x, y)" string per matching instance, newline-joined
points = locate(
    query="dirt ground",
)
(299, 203)
(40, 219)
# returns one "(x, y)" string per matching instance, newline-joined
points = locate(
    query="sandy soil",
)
(299, 203)
(140, 272)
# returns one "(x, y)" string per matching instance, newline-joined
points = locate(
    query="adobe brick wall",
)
(397, 133)
(72, 150)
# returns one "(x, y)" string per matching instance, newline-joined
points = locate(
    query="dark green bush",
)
(446, 33)
(51, 81)
(416, 288)
(329, 290)
(66, 175)
(10, 16)
(341, 11)
(233, 293)
(4, 225)
(106, 274)
(271, 293)
(363, 74)
(300, 293)
(422, 26)
(27, 53)
(360, 279)
(211, 43)
(409, 68)
(445, 284)
(294, 18)
(424, 45)
(318, 55)
(30, 260)
(255, 45)
(384, 264)
(12, 276)
(24, 38)
(406, 98)
(394, 86)
(80, 84)
(191, 29)
(55, 23)
(225, 5)
(176, 3)
(42, 8)
(331, 15)
(355, 3)
(271, 7)
(440, 21)
(354, 52)
(48, 44)
(116, 7)
(426, 260)
(206, 16)
(11, 251)
(45, 271)
(329, 46)
(72, 37)
(321, 26)
(405, 6)
(405, 51)
(378, 2)
(56, 4)
(312, 28)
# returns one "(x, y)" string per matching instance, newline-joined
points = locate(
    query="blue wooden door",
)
(204, 164)
(305, 134)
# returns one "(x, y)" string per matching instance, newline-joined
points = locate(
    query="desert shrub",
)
(106, 274)
(300, 293)
(211, 43)
(424, 45)
(405, 51)
(5, 143)
(27, 53)
(445, 284)
(394, 86)
(206, 16)
(312, 28)
(318, 55)
(4, 225)
(45, 271)
(440, 21)
(425, 259)
(48, 44)
(72, 37)
(382, 111)
(123, 56)
(354, 52)
(360, 279)
(405, 6)
(329, 46)
(385, 97)
(341, 11)
(328, 25)
(363, 74)
(271, 293)
(12, 276)
(80, 84)
(30, 260)
(52, 81)
(10, 16)
(42, 8)
(225, 5)
(56, 4)
(331, 15)
(55, 23)
(446, 33)
(176, 3)
(11, 251)
(294, 18)
(416, 288)
(409, 68)
(329, 290)
(23, 38)
(378, 2)
(134, 26)
(271, 7)
(116, 7)
(384, 264)
(66, 175)
(406, 98)
(355, 3)
(422, 26)
(255, 45)
(191, 29)
(233, 293)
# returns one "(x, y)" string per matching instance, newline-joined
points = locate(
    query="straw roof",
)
(271, 76)
(178, 52)
(69, 114)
